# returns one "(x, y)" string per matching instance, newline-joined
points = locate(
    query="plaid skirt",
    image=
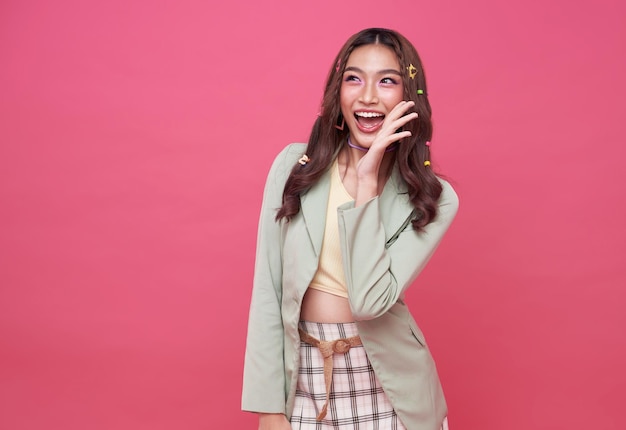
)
(357, 400)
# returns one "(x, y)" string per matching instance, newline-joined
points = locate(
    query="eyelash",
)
(391, 81)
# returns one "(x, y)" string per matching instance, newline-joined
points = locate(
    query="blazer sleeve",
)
(376, 277)
(264, 370)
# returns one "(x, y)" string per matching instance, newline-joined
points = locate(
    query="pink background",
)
(135, 140)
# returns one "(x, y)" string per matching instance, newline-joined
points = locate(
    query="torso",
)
(319, 306)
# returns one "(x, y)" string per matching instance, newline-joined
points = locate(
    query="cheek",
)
(345, 98)
(346, 94)
(394, 97)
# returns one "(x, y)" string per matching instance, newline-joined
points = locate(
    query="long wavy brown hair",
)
(325, 140)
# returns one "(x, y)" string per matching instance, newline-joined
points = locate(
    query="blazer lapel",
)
(395, 207)
(313, 206)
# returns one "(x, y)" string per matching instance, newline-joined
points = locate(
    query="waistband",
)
(329, 331)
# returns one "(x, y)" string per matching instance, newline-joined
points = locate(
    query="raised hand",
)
(368, 167)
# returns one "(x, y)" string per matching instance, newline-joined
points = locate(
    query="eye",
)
(389, 81)
(351, 78)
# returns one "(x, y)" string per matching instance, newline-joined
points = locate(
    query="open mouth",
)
(369, 120)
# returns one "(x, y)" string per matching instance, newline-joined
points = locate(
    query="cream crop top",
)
(329, 276)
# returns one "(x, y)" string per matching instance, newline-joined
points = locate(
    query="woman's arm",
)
(264, 370)
(376, 277)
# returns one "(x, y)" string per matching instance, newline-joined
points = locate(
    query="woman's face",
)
(371, 86)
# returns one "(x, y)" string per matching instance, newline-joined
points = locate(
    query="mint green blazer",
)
(382, 256)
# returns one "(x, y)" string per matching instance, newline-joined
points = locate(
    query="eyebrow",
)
(379, 72)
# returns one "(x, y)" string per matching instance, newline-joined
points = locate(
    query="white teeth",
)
(368, 114)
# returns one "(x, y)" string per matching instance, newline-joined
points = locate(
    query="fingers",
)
(396, 119)
(399, 115)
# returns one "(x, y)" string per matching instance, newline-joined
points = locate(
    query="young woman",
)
(348, 222)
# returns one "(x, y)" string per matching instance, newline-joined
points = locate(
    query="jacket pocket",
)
(417, 337)
(416, 332)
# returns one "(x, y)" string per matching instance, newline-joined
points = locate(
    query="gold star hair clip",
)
(412, 71)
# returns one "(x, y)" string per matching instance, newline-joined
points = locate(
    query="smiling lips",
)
(368, 121)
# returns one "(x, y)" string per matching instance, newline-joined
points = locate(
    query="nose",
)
(369, 95)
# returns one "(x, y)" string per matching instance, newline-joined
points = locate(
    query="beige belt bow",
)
(328, 348)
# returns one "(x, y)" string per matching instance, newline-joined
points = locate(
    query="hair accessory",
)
(426, 163)
(428, 143)
(420, 92)
(412, 71)
(390, 148)
(304, 159)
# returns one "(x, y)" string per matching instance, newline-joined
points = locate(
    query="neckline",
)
(391, 178)
(338, 178)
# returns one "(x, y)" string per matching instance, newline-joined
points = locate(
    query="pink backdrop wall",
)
(134, 142)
